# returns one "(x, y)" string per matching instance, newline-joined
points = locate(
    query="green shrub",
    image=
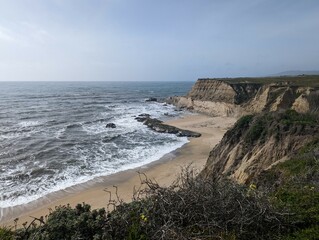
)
(302, 201)
(304, 234)
(6, 233)
(292, 117)
(244, 121)
(70, 223)
(257, 131)
(310, 147)
(294, 188)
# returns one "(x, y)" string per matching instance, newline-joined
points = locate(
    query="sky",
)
(155, 40)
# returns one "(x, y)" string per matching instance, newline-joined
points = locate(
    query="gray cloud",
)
(155, 40)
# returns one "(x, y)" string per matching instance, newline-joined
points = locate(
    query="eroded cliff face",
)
(256, 143)
(221, 97)
(276, 122)
(278, 97)
(221, 91)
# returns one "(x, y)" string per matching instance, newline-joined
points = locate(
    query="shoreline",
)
(164, 171)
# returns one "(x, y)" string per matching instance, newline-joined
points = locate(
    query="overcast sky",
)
(97, 40)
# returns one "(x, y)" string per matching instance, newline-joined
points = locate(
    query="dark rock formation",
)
(160, 127)
(110, 125)
(108, 139)
(142, 117)
(151, 99)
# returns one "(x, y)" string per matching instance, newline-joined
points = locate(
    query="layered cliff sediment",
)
(219, 90)
(255, 143)
(278, 120)
(238, 97)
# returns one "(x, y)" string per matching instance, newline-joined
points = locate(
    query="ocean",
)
(53, 135)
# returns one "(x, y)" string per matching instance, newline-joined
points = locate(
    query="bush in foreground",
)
(6, 233)
(192, 208)
(196, 208)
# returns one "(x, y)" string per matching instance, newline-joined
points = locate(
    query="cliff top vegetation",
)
(300, 80)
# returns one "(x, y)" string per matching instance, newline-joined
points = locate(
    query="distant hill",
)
(296, 73)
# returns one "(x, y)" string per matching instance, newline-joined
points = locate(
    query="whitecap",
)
(26, 124)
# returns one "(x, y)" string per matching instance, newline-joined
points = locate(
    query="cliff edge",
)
(256, 143)
(278, 117)
(241, 96)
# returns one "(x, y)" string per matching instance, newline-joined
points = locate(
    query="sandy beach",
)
(164, 171)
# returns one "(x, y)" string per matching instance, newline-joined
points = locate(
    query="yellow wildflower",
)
(143, 218)
(252, 186)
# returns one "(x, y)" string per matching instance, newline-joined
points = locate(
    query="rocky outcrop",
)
(110, 125)
(142, 117)
(256, 143)
(238, 97)
(161, 127)
(151, 99)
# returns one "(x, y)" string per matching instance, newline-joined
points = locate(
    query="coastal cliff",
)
(256, 143)
(278, 117)
(241, 96)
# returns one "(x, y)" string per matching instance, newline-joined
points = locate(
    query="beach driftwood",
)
(161, 127)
